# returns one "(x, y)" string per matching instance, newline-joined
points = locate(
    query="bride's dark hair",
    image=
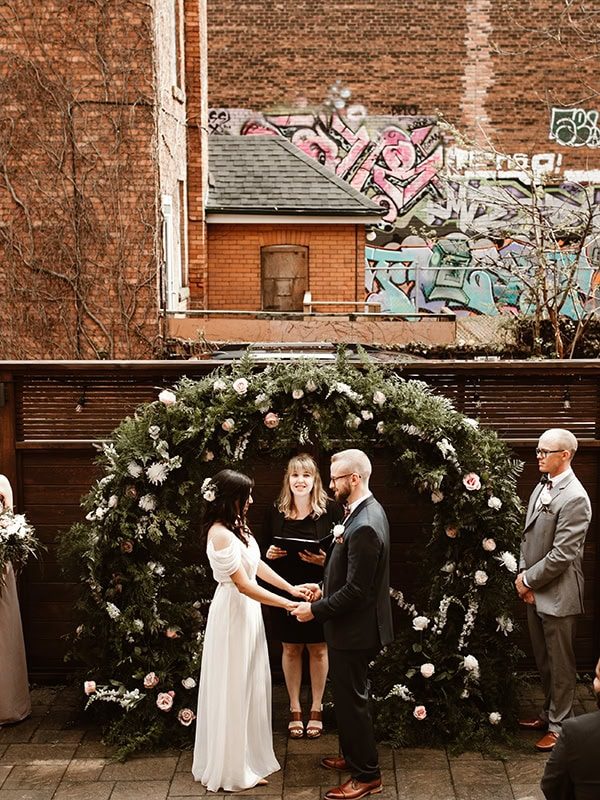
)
(232, 490)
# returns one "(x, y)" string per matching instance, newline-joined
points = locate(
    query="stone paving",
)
(57, 755)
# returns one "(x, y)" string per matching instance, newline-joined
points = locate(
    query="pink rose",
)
(127, 547)
(89, 687)
(451, 533)
(167, 397)
(151, 680)
(172, 633)
(186, 716)
(420, 712)
(271, 419)
(165, 700)
(228, 425)
(472, 481)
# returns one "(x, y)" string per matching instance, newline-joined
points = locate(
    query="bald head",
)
(559, 439)
(353, 461)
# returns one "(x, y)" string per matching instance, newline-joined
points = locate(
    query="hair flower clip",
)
(208, 490)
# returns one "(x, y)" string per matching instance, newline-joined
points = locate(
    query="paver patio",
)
(57, 755)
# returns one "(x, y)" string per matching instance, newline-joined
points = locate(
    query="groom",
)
(354, 607)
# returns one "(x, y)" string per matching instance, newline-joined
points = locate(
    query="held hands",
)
(302, 592)
(303, 612)
(275, 552)
(529, 598)
(313, 558)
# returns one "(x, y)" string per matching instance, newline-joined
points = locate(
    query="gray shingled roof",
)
(268, 174)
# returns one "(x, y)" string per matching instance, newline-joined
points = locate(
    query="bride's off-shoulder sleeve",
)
(226, 561)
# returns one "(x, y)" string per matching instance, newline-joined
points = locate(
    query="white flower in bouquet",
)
(352, 421)
(401, 691)
(448, 567)
(495, 717)
(154, 431)
(508, 560)
(366, 414)
(445, 447)
(471, 665)
(89, 687)
(100, 512)
(151, 680)
(147, 502)
(380, 427)
(188, 683)
(228, 425)
(495, 503)
(157, 473)
(240, 386)
(298, 394)
(113, 611)
(134, 469)
(464, 694)
(489, 545)
(113, 501)
(379, 398)
(137, 625)
(262, 402)
(505, 624)
(437, 496)
(481, 577)
(427, 670)
(167, 397)
(420, 623)
(219, 385)
(311, 386)
(468, 422)
(208, 490)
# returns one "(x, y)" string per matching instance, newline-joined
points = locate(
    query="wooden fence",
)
(51, 413)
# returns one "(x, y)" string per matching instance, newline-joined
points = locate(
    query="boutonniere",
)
(338, 532)
(545, 498)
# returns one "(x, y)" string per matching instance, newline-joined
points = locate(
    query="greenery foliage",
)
(139, 554)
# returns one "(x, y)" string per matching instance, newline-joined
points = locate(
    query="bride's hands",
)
(303, 592)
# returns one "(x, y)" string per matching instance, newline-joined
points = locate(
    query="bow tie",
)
(346, 511)
(545, 481)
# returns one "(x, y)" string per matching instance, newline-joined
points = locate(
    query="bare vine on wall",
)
(78, 247)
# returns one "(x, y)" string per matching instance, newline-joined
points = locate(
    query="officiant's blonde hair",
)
(318, 497)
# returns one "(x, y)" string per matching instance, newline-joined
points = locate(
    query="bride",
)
(234, 740)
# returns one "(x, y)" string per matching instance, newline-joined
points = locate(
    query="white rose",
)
(380, 427)
(352, 421)
(366, 414)
(240, 386)
(489, 545)
(188, 683)
(427, 670)
(471, 664)
(379, 398)
(481, 577)
(339, 529)
(495, 503)
(420, 623)
(154, 431)
(495, 717)
(167, 398)
(219, 385)
(298, 394)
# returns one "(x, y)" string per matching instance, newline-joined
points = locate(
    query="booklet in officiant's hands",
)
(295, 546)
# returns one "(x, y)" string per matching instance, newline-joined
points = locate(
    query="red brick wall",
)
(478, 62)
(335, 268)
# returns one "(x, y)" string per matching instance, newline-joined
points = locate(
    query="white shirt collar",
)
(561, 477)
(353, 505)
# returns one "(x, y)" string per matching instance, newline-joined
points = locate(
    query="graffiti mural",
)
(575, 127)
(457, 232)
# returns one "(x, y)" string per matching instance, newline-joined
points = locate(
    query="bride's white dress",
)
(234, 738)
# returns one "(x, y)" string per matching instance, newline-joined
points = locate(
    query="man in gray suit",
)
(573, 770)
(550, 578)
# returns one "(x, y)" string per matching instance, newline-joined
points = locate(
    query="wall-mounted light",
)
(566, 399)
(81, 402)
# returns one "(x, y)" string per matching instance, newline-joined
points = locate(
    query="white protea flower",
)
(505, 624)
(420, 623)
(379, 398)
(495, 718)
(240, 386)
(134, 469)
(113, 611)
(298, 394)
(481, 577)
(495, 503)
(366, 414)
(147, 502)
(427, 670)
(380, 427)
(154, 431)
(508, 560)
(157, 473)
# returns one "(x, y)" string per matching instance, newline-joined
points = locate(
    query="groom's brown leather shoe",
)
(337, 763)
(536, 724)
(547, 742)
(354, 790)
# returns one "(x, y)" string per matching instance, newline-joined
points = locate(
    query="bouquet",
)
(17, 542)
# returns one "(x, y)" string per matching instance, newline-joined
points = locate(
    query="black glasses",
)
(339, 477)
(543, 453)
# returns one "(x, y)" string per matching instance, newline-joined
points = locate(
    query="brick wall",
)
(335, 265)
(483, 64)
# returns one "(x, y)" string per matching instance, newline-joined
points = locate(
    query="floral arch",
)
(450, 672)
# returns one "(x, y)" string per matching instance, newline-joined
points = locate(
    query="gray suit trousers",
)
(552, 639)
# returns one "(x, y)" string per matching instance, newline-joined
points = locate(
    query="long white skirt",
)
(234, 738)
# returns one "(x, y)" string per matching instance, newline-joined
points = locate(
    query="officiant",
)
(297, 532)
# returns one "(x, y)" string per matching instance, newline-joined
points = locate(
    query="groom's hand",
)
(520, 586)
(303, 612)
(314, 589)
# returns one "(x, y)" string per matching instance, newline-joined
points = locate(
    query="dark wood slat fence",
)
(51, 413)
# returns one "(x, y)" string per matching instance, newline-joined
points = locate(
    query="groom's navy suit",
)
(357, 618)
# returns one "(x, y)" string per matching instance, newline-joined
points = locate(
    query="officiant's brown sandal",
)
(314, 726)
(295, 725)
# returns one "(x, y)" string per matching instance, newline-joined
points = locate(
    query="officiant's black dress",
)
(283, 626)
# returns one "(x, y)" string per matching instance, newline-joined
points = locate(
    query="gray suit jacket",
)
(573, 769)
(552, 548)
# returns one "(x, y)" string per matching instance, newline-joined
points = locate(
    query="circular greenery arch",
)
(449, 674)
